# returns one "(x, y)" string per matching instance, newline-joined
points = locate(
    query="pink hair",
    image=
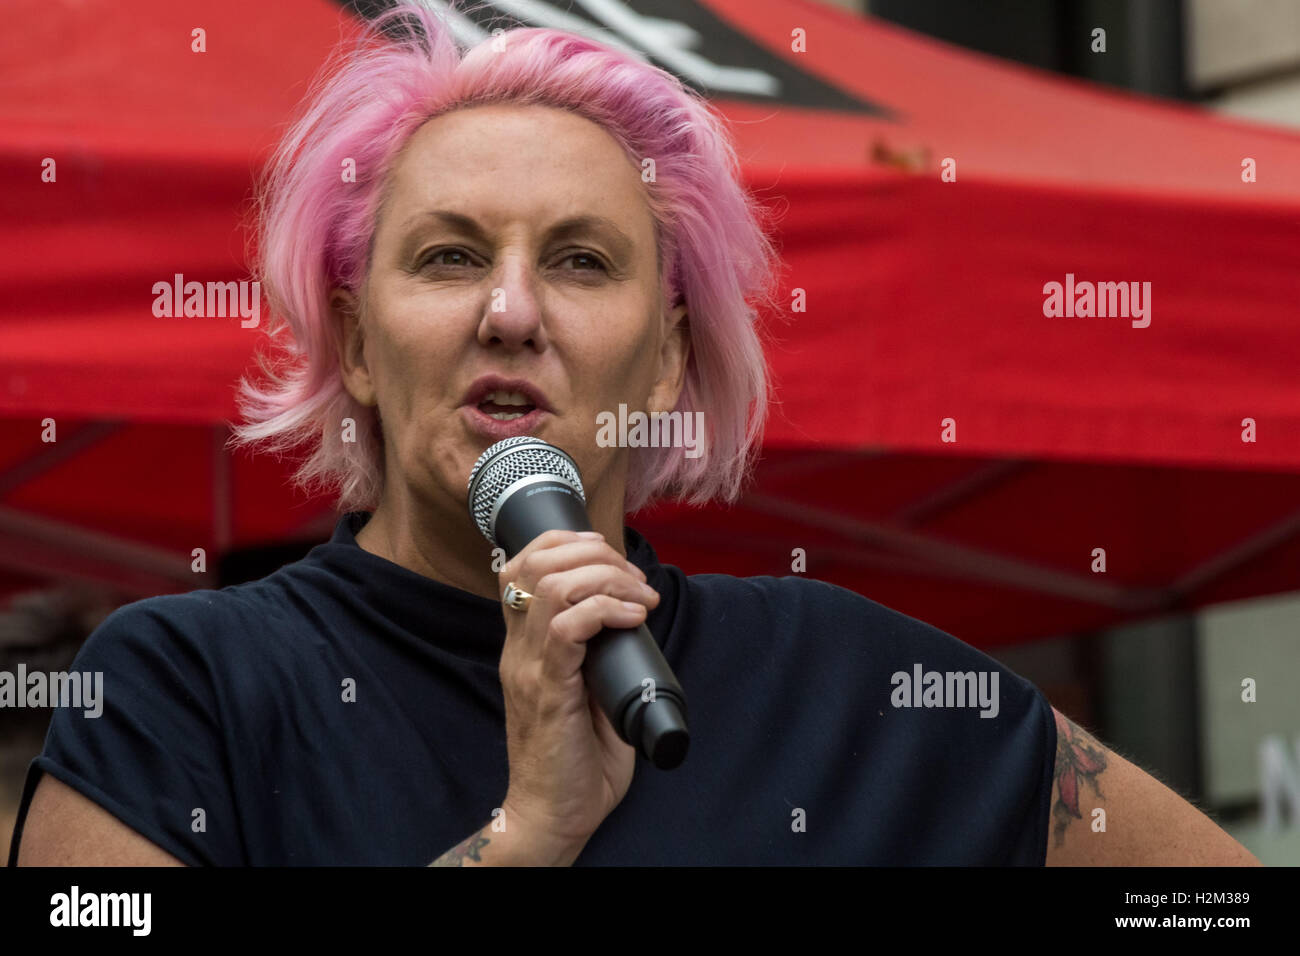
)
(315, 234)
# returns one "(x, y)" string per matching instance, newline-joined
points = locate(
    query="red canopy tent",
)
(923, 301)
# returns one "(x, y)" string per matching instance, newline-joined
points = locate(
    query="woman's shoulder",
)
(203, 625)
(791, 596)
(812, 612)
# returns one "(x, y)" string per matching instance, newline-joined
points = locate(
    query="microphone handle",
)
(624, 668)
(639, 693)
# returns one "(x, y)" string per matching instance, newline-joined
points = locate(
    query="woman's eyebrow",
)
(564, 229)
(452, 220)
(600, 225)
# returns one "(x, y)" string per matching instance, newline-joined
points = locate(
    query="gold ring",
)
(516, 598)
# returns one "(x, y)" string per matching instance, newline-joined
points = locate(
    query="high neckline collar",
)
(466, 624)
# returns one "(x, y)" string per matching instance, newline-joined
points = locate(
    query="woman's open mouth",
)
(503, 415)
(497, 407)
(506, 406)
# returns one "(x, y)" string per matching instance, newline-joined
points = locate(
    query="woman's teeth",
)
(495, 403)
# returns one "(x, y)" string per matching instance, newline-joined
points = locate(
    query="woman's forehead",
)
(536, 144)
(499, 164)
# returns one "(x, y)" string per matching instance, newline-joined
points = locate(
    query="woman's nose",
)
(512, 315)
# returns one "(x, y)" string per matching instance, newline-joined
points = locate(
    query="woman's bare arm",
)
(1146, 823)
(63, 828)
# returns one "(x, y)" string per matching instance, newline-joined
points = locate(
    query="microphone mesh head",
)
(508, 461)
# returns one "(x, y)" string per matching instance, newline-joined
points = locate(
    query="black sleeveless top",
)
(346, 710)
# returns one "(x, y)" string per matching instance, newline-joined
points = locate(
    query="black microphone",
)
(522, 487)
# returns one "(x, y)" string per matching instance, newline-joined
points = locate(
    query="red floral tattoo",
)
(1077, 756)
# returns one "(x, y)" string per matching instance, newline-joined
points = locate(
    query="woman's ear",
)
(351, 342)
(673, 353)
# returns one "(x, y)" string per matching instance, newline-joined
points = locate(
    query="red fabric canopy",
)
(922, 300)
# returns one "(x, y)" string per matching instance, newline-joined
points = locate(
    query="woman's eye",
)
(593, 261)
(432, 258)
(585, 261)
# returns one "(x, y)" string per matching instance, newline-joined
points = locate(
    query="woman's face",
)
(515, 242)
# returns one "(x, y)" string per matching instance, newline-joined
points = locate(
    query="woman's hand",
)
(568, 767)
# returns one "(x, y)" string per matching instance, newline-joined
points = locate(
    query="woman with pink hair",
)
(521, 239)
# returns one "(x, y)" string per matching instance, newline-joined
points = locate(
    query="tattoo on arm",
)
(1079, 758)
(467, 847)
